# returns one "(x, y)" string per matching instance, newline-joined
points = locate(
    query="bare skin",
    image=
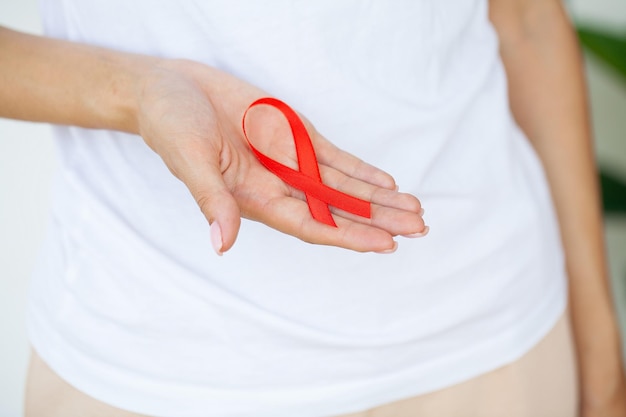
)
(48, 395)
(196, 132)
(549, 101)
(190, 114)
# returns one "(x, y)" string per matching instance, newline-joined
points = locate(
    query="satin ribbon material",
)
(307, 178)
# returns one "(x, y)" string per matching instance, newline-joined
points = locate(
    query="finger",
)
(274, 138)
(395, 212)
(291, 215)
(395, 221)
(369, 192)
(203, 177)
(330, 155)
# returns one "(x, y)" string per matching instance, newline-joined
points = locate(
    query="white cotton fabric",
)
(130, 304)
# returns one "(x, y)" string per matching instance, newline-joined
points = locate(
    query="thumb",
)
(207, 186)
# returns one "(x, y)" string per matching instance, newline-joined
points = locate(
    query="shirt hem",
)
(86, 375)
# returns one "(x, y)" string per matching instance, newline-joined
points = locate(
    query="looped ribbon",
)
(307, 178)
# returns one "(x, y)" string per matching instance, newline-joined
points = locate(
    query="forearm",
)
(548, 99)
(61, 82)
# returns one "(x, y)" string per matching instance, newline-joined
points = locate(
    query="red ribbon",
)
(318, 195)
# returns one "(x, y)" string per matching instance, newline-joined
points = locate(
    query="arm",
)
(48, 80)
(190, 114)
(548, 99)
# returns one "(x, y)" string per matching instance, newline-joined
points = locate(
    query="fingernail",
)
(421, 212)
(420, 234)
(397, 188)
(216, 237)
(392, 250)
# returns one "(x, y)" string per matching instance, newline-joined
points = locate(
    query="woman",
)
(131, 315)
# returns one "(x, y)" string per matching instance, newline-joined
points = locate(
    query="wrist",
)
(118, 104)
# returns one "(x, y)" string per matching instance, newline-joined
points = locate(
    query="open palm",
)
(191, 116)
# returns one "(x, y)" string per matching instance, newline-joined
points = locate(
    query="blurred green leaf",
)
(613, 193)
(610, 48)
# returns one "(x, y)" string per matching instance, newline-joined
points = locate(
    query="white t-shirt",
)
(130, 304)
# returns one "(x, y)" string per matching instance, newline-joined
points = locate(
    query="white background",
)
(27, 161)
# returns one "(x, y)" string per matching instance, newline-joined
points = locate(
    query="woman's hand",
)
(191, 115)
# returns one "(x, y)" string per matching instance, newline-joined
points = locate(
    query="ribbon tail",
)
(319, 210)
(316, 189)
